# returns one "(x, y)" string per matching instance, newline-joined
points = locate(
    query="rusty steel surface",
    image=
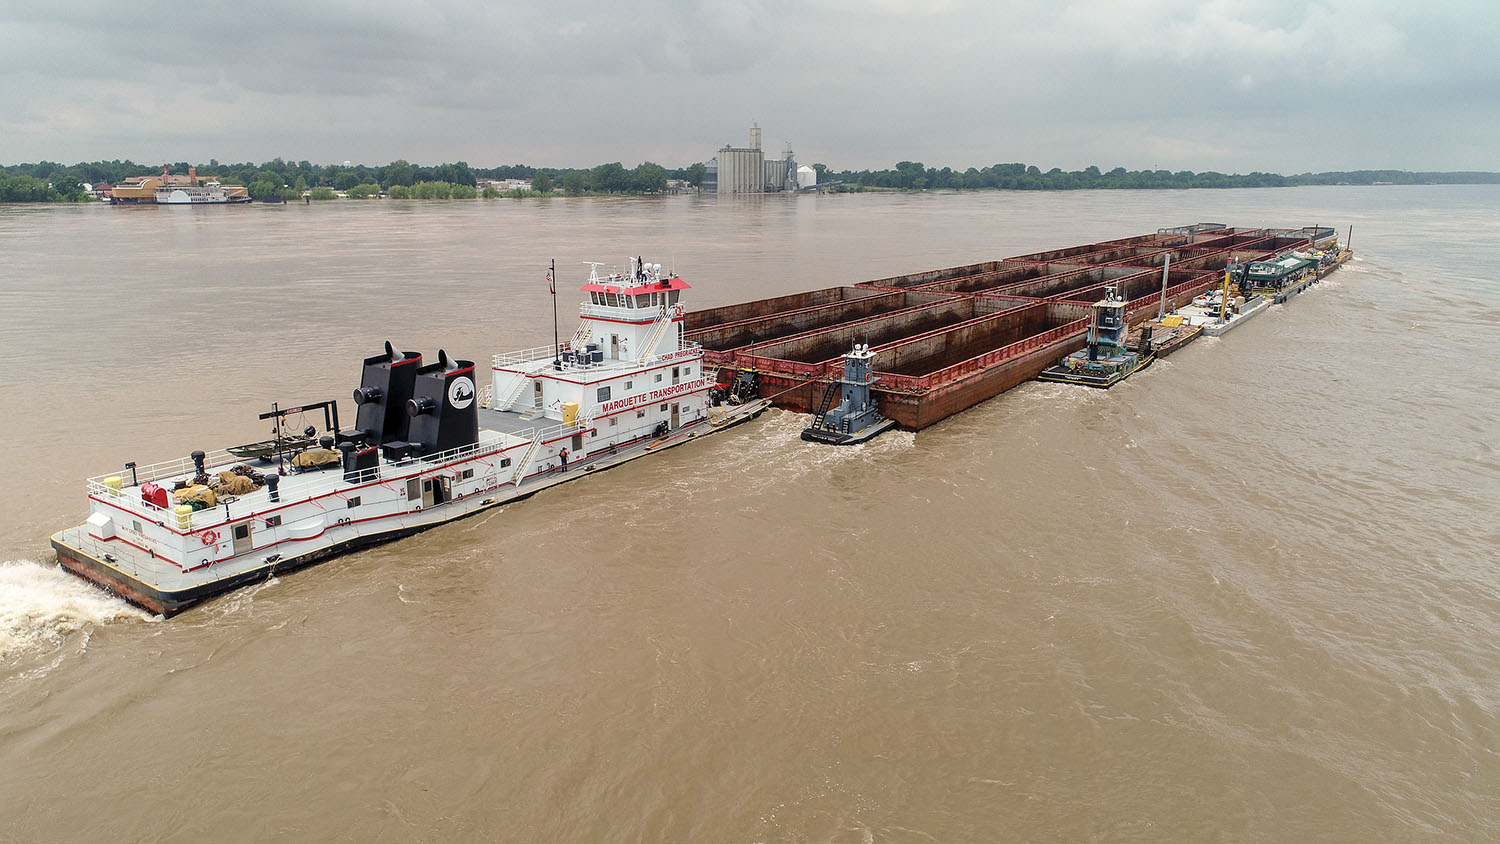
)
(795, 342)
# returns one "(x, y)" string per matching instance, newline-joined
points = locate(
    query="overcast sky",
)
(1217, 85)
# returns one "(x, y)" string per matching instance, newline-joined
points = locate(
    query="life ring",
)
(210, 537)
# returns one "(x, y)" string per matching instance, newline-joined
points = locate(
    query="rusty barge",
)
(944, 340)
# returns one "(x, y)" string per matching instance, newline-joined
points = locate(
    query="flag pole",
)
(556, 342)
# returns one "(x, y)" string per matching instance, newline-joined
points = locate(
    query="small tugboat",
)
(427, 447)
(856, 419)
(1107, 359)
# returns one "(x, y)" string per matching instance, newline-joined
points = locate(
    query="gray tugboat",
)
(1106, 360)
(856, 418)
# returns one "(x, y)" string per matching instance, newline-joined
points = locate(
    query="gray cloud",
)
(1258, 84)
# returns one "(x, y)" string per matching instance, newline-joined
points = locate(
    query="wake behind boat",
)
(428, 446)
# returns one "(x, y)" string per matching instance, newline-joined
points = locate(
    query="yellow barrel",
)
(184, 516)
(113, 484)
(570, 413)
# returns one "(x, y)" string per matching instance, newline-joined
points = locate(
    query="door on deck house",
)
(675, 416)
(241, 534)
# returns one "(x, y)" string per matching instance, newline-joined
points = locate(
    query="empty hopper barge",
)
(944, 340)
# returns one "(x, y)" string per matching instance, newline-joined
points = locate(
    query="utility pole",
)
(556, 342)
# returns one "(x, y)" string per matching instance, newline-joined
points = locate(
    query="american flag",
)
(551, 288)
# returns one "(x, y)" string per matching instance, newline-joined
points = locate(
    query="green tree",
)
(398, 172)
(399, 192)
(262, 188)
(490, 192)
(649, 177)
(611, 178)
(23, 188)
(575, 183)
(364, 191)
(696, 173)
(541, 182)
(320, 194)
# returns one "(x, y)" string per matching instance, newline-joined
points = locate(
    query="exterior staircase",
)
(658, 331)
(536, 443)
(582, 335)
(510, 400)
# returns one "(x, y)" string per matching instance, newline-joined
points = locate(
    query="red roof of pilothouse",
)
(673, 283)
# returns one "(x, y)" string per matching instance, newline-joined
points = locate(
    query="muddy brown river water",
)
(1250, 595)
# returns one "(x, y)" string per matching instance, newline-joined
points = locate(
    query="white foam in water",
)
(42, 604)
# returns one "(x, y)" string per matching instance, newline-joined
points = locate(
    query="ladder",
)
(514, 394)
(658, 331)
(582, 335)
(827, 402)
(485, 394)
(536, 443)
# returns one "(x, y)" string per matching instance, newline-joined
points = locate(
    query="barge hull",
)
(923, 372)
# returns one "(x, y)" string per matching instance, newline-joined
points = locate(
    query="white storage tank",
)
(806, 177)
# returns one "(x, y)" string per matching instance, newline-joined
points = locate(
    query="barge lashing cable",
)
(799, 385)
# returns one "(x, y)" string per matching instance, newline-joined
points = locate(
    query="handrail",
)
(1193, 286)
(658, 331)
(520, 473)
(536, 355)
(1020, 347)
(298, 488)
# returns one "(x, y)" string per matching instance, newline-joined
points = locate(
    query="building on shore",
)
(504, 185)
(168, 189)
(747, 170)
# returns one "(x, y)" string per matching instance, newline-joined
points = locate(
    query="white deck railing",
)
(294, 488)
(540, 354)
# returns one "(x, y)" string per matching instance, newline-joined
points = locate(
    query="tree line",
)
(48, 181)
(912, 175)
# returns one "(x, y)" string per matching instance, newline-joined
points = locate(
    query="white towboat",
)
(428, 446)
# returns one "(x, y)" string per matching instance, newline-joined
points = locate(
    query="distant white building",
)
(806, 177)
(505, 185)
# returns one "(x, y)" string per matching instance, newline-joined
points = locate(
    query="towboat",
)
(429, 445)
(1106, 359)
(856, 418)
